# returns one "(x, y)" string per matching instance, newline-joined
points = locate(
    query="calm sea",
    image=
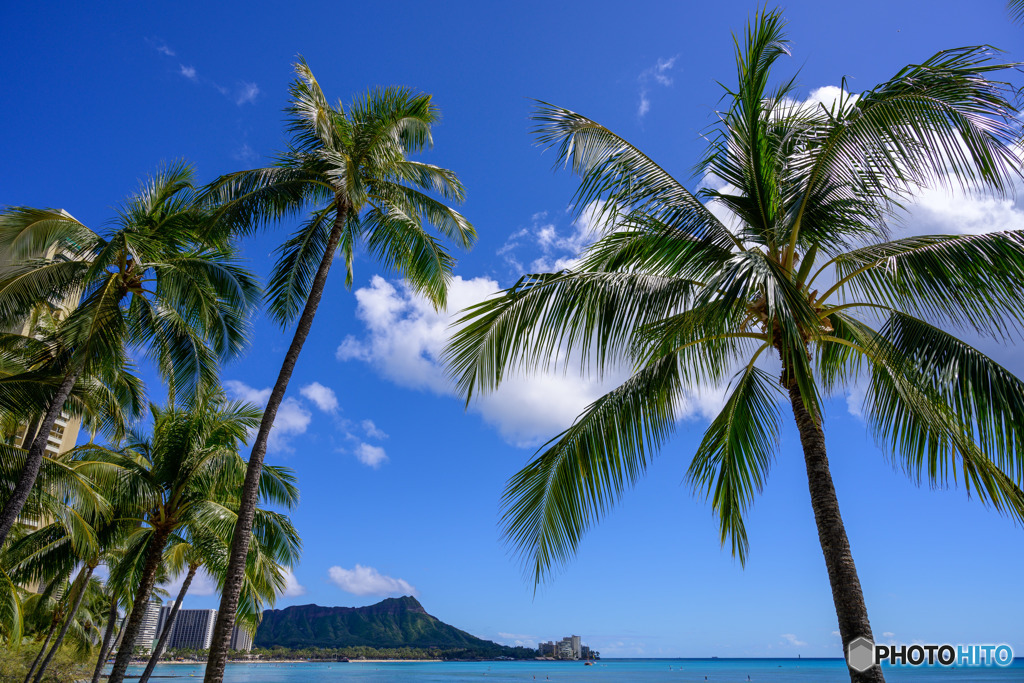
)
(619, 670)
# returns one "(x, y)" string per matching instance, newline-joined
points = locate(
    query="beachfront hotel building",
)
(241, 639)
(569, 647)
(149, 632)
(192, 629)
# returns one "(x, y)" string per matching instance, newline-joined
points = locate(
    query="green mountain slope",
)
(391, 623)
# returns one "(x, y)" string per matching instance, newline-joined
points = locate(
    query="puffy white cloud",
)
(405, 339)
(243, 392)
(323, 397)
(292, 587)
(368, 581)
(189, 72)
(372, 456)
(405, 334)
(940, 211)
(292, 418)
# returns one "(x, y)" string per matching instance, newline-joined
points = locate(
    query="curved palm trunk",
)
(34, 460)
(166, 633)
(120, 633)
(842, 574)
(108, 635)
(46, 643)
(247, 509)
(131, 629)
(67, 623)
(30, 432)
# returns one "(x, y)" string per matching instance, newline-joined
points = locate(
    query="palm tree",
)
(66, 507)
(350, 168)
(184, 475)
(805, 271)
(275, 545)
(161, 280)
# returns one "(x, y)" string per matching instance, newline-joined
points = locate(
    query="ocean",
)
(605, 671)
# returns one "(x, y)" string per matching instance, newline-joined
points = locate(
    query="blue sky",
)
(400, 485)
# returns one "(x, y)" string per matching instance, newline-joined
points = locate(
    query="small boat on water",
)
(588, 664)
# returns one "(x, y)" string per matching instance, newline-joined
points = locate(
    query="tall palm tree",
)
(162, 280)
(185, 474)
(274, 546)
(350, 169)
(805, 271)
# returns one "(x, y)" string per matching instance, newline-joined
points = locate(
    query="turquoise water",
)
(640, 670)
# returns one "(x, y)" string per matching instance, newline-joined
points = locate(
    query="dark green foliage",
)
(391, 623)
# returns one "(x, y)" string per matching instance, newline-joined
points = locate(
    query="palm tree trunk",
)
(141, 604)
(842, 574)
(165, 634)
(46, 643)
(31, 429)
(243, 527)
(34, 459)
(108, 635)
(67, 623)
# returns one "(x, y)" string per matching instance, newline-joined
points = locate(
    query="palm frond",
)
(732, 462)
(576, 479)
(621, 178)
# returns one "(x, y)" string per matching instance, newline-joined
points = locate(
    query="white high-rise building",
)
(241, 639)
(576, 649)
(148, 632)
(193, 629)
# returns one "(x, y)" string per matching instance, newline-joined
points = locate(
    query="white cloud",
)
(245, 153)
(645, 104)
(243, 392)
(202, 584)
(368, 581)
(793, 640)
(553, 249)
(372, 431)
(518, 639)
(372, 456)
(292, 587)
(189, 72)
(658, 74)
(939, 211)
(323, 397)
(161, 47)
(405, 339)
(292, 418)
(247, 92)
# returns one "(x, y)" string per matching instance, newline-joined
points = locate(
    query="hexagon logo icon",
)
(860, 654)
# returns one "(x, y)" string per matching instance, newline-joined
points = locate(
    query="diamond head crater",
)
(392, 624)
